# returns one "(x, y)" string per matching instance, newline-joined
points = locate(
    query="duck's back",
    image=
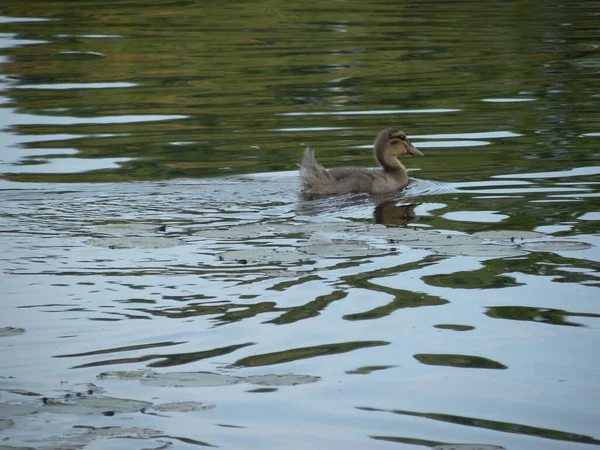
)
(341, 180)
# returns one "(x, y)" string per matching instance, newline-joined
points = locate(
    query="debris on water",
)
(131, 235)
(260, 256)
(93, 405)
(483, 250)
(506, 235)
(6, 423)
(319, 238)
(343, 239)
(190, 379)
(366, 370)
(555, 246)
(182, 407)
(126, 228)
(22, 392)
(280, 380)
(124, 432)
(342, 249)
(134, 242)
(11, 331)
(126, 374)
(334, 239)
(207, 379)
(8, 410)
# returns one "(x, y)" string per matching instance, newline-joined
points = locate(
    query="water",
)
(151, 220)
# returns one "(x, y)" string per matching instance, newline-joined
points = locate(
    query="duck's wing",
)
(339, 180)
(342, 172)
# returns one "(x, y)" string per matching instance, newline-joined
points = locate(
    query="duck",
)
(389, 144)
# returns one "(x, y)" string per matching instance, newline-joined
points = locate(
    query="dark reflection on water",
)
(484, 278)
(306, 352)
(309, 309)
(162, 138)
(209, 93)
(540, 315)
(175, 359)
(394, 214)
(468, 361)
(498, 426)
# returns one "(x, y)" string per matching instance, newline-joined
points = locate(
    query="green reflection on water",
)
(296, 354)
(309, 309)
(401, 298)
(542, 315)
(505, 427)
(238, 83)
(454, 327)
(465, 361)
(474, 279)
(167, 360)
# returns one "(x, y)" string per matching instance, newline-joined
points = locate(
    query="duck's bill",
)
(414, 151)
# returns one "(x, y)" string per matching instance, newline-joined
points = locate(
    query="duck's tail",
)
(314, 177)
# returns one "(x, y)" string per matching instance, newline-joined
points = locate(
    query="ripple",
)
(476, 216)
(480, 135)
(31, 119)
(451, 144)
(508, 100)
(6, 19)
(370, 113)
(310, 129)
(114, 85)
(68, 165)
(575, 172)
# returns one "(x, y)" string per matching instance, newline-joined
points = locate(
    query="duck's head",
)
(393, 143)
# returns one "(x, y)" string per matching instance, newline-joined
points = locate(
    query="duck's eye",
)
(402, 137)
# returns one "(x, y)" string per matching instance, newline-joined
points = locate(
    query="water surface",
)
(152, 227)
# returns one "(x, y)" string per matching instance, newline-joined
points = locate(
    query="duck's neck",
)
(393, 167)
(390, 163)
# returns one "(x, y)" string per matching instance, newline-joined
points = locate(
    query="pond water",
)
(164, 284)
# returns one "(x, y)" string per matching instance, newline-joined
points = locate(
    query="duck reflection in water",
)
(390, 214)
(389, 144)
(386, 209)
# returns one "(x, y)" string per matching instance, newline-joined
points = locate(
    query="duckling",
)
(389, 144)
